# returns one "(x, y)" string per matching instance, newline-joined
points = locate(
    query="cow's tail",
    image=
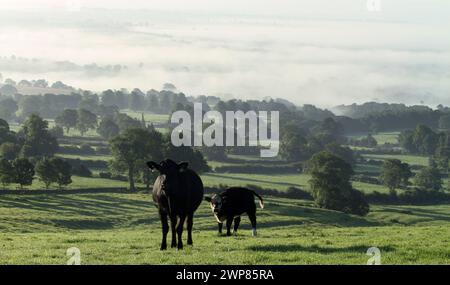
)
(261, 201)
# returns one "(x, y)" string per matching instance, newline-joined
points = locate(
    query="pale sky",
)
(324, 52)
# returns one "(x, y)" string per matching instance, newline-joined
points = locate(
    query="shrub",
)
(87, 149)
(105, 175)
(82, 171)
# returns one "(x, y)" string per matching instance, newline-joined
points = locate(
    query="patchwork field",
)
(123, 228)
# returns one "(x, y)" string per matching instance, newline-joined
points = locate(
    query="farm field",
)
(410, 159)
(382, 138)
(123, 228)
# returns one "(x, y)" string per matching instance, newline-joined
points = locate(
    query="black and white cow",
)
(231, 204)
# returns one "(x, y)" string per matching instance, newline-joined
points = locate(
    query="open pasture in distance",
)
(77, 183)
(124, 228)
(410, 159)
(382, 137)
(148, 117)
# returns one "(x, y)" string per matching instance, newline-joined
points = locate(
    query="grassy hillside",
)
(120, 228)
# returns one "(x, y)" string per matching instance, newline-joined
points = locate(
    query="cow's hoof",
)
(163, 247)
(173, 245)
(180, 247)
(190, 242)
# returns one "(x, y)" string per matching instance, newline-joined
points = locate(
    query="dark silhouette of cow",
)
(231, 204)
(177, 192)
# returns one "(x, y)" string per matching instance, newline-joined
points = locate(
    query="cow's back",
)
(237, 200)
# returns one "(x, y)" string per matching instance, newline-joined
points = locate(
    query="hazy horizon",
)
(318, 52)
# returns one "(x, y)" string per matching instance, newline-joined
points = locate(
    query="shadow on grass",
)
(315, 248)
(419, 212)
(316, 215)
(253, 180)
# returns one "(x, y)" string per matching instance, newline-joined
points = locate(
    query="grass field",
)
(410, 159)
(120, 228)
(148, 117)
(77, 183)
(382, 138)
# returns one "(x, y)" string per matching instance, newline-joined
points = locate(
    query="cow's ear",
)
(183, 165)
(153, 165)
(208, 199)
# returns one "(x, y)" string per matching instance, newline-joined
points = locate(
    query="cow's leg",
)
(173, 224)
(220, 227)
(190, 223)
(252, 217)
(237, 221)
(180, 231)
(165, 229)
(229, 222)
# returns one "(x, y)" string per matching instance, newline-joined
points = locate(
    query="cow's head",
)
(215, 202)
(169, 173)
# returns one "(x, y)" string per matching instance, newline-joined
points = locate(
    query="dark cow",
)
(231, 204)
(177, 192)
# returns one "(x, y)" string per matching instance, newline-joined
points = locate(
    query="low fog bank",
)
(327, 60)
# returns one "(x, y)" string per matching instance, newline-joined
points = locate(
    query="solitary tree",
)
(37, 139)
(331, 186)
(46, 172)
(63, 171)
(394, 174)
(7, 174)
(68, 119)
(24, 172)
(429, 178)
(132, 148)
(108, 128)
(86, 121)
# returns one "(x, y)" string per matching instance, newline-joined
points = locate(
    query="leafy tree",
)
(136, 100)
(6, 136)
(422, 140)
(108, 128)
(294, 145)
(68, 119)
(329, 131)
(444, 122)
(9, 150)
(63, 171)
(368, 141)
(344, 153)
(46, 172)
(132, 148)
(7, 174)
(24, 172)
(394, 174)
(38, 141)
(185, 153)
(86, 121)
(8, 108)
(57, 132)
(429, 178)
(29, 105)
(41, 83)
(4, 124)
(123, 121)
(8, 90)
(331, 186)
